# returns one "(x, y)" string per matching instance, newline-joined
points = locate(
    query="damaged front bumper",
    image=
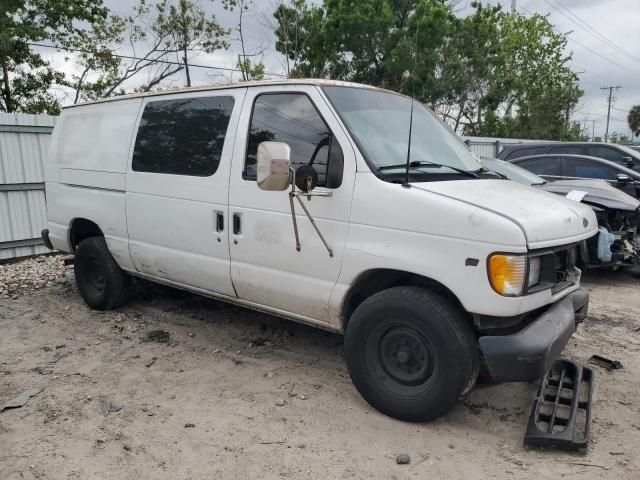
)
(529, 353)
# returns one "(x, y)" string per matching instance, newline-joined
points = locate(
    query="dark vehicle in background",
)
(572, 167)
(618, 242)
(620, 154)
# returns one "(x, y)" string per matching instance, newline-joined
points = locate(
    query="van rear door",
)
(178, 185)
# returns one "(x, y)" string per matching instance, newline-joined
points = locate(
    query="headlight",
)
(507, 273)
(534, 271)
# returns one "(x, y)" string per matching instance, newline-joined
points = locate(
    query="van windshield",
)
(379, 123)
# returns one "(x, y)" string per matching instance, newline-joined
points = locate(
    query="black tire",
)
(102, 283)
(410, 353)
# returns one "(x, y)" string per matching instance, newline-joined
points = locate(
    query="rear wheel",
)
(410, 353)
(101, 282)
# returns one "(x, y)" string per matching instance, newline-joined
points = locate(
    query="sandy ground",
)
(236, 394)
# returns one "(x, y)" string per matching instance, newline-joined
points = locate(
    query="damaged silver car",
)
(618, 242)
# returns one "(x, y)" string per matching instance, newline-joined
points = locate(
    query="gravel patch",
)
(31, 274)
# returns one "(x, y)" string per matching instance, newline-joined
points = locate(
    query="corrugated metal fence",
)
(24, 140)
(491, 147)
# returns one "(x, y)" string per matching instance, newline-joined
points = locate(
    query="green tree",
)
(188, 29)
(372, 42)
(544, 89)
(98, 66)
(474, 80)
(634, 120)
(300, 38)
(248, 69)
(508, 76)
(104, 73)
(26, 77)
(618, 137)
(491, 73)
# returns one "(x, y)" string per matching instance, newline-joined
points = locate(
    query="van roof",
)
(252, 83)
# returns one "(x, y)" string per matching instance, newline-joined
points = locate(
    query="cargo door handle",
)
(219, 222)
(236, 224)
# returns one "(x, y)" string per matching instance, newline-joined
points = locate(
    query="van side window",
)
(293, 119)
(183, 136)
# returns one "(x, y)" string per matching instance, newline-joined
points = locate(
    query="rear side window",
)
(542, 166)
(183, 136)
(606, 153)
(567, 149)
(524, 152)
(588, 169)
(292, 118)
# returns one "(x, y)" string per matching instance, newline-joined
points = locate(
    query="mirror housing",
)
(306, 178)
(627, 161)
(623, 178)
(273, 162)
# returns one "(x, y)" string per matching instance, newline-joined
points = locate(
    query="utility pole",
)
(611, 89)
(513, 6)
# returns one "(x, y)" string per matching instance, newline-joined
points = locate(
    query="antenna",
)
(406, 172)
(415, 66)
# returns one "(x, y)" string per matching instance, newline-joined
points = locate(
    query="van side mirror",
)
(273, 163)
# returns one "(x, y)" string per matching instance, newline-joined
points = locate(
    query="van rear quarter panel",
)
(85, 172)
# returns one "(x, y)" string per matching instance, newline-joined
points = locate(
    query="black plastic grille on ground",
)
(561, 414)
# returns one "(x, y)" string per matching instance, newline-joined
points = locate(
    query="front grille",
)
(562, 269)
(557, 268)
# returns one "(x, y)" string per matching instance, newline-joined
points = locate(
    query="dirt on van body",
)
(176, 386)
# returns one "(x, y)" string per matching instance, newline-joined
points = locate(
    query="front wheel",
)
(101, 282)
(410, 353)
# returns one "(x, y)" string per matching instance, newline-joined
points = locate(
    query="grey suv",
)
(619, 154)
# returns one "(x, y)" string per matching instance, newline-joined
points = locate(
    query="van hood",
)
(545, 219)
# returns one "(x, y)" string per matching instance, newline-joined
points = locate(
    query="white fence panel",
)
(24, 140)
(491, 147)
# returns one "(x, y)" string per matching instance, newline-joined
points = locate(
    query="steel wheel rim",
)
(401, 359)
(95, 274)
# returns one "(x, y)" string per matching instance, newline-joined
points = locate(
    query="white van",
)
(310, 200)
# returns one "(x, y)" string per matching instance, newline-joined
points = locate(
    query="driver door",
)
(266, 269)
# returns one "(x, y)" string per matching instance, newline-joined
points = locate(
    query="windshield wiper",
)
(493, 172)
(416, 163)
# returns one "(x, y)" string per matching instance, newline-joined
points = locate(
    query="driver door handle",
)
(236, 224)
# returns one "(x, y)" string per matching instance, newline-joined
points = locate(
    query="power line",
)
(589, 29)
(621, 110)
(132, 57)
(588, 48)
(603, 57)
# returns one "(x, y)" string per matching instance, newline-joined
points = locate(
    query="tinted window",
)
(525, 152)
(182, 137)
(588, 169)
(568, 149)
(606, 153)
(292, 118)
(542, 166)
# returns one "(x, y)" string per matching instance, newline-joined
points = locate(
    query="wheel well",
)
(375, 281)
(81, 228)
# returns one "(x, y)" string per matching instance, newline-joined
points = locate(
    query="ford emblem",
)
(585, 222)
